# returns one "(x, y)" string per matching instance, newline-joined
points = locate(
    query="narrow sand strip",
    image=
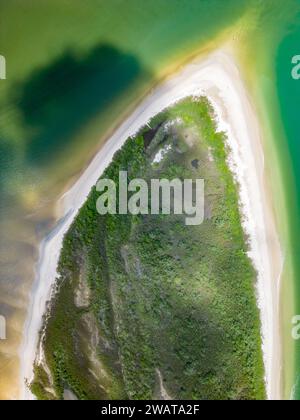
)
(218, 78)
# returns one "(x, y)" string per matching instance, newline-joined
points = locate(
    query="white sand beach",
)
(217, 77)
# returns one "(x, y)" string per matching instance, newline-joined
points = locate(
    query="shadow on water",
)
(59, 99)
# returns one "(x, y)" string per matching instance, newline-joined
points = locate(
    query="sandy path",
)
(219, 79)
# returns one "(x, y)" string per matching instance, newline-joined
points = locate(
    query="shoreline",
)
(218, 78)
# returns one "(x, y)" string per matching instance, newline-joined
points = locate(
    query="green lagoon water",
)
(289, 98)
(74, 67)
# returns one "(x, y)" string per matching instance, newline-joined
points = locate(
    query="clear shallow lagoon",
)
(289, 98)
(61, 95)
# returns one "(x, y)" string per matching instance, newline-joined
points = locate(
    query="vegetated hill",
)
(147, 307)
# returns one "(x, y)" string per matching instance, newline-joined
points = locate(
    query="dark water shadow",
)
(59, 99)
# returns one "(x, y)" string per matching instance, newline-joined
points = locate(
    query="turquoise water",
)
(289, 97)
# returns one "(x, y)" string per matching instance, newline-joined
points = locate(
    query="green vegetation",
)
(145, 298)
